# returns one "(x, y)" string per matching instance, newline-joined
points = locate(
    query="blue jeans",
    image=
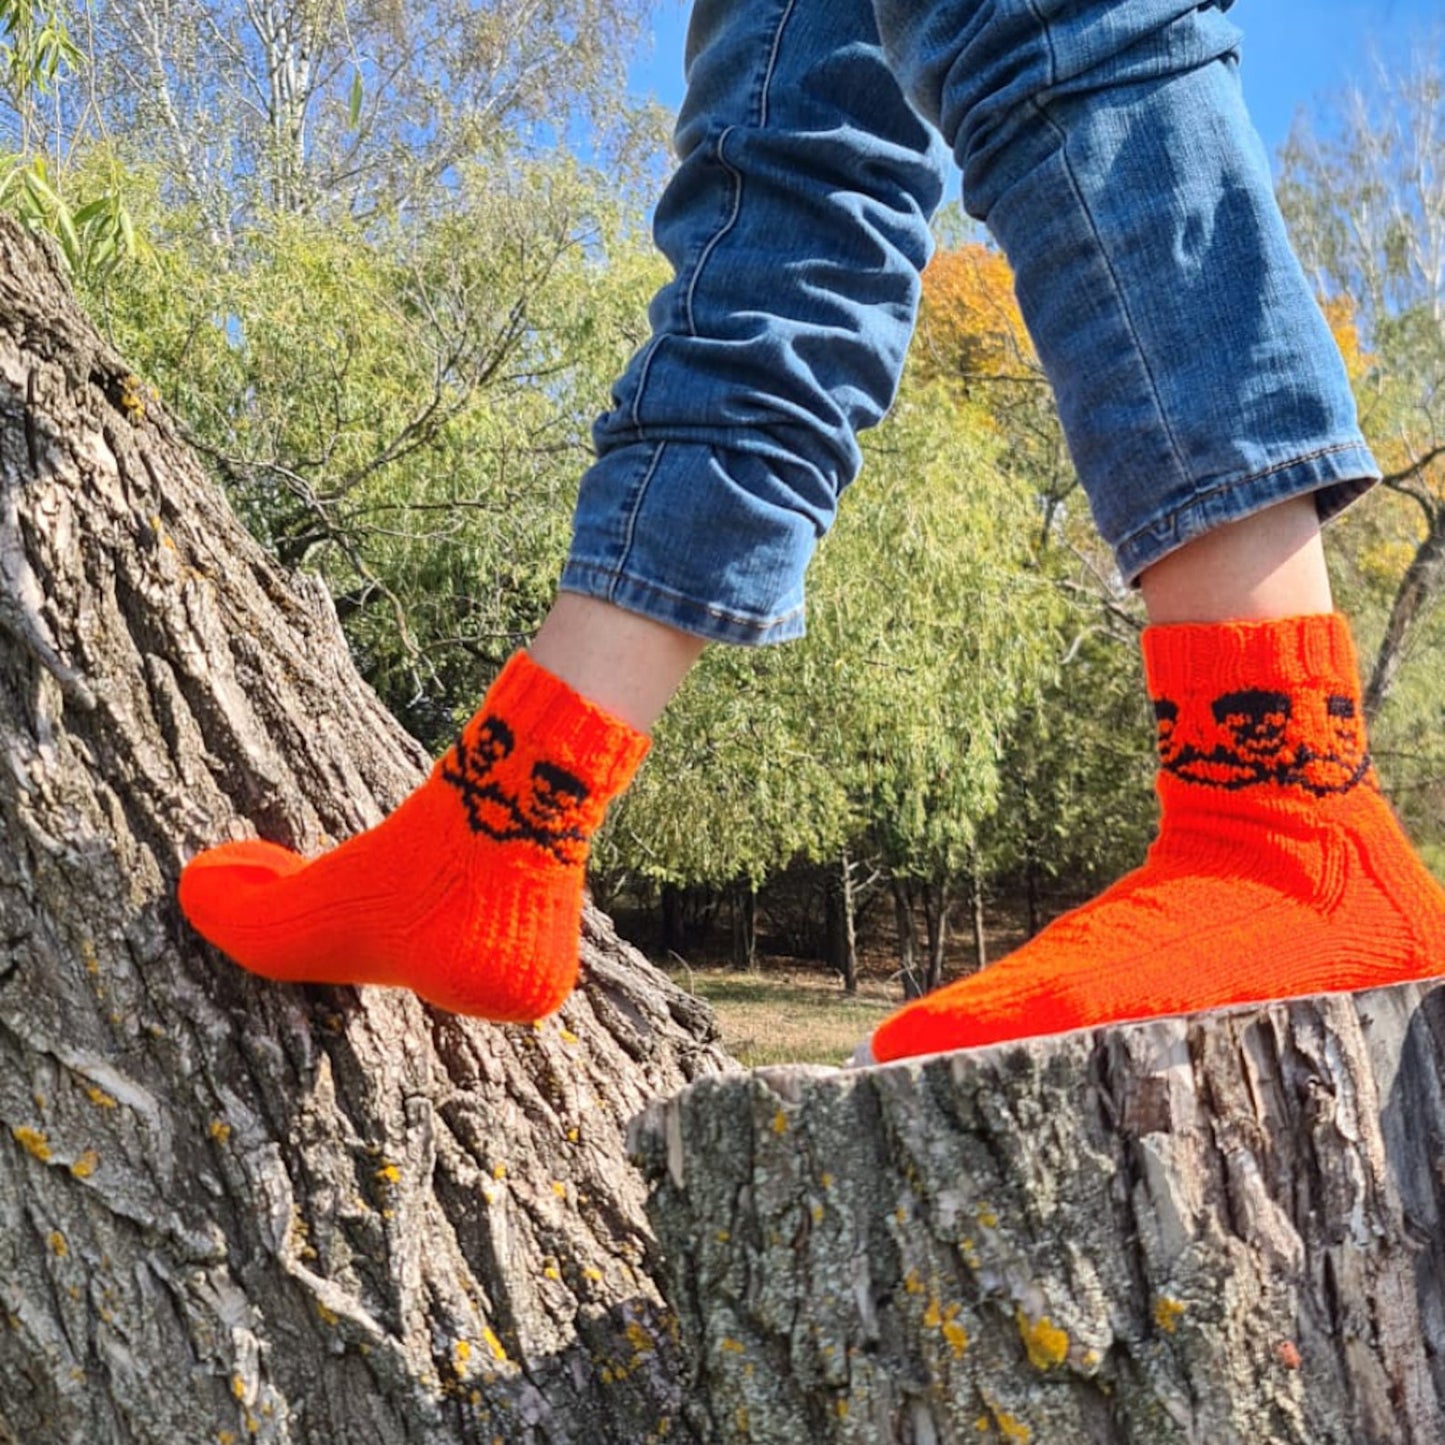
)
(1105, 145)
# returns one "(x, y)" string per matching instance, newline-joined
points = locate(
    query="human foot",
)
(1279, 870)
(470, 893)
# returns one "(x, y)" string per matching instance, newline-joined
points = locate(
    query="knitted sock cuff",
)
(1313, 653)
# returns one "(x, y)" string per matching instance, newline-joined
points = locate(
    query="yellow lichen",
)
(461, 1353)
(780, 1123)
(491, 1341)
(238, 1387)
(389, 1173)
(86, 1165)
(732, 1346)
(32, 1141)
(219, 1130)
(985, 1216)
(499, 1171)
(327, 1314)
(567, 1036)
(1046, 1343)
(1011, 1427)
(638, 1337)
(559, 1189)
(1167, 1313)
(58, 1246)
(912, 1283)
(954, 1332)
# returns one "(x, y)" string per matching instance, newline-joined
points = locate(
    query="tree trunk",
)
(230, 1210)
(1418, 589)
(744, 914)
(1031, 889)
(1217, 1231)
(907, 928)
(935, 921)
(977, 915)
(674, 926)
(842, 926)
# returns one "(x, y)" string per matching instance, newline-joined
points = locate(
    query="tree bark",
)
(1216, 1231)
(233, 1211)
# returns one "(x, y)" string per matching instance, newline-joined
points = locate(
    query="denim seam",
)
(629, 529)
(1041, 109)
(773, 61)
(1234, 483)
(1046, 32)
(615, 575)
(722, 232)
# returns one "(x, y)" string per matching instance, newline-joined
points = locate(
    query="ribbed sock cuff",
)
(1289, 653)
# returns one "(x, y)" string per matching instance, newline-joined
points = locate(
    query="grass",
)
(789, 1016)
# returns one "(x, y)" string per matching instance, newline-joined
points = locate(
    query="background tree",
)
(1364, 191)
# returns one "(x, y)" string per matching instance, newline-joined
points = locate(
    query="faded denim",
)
(1105, 145)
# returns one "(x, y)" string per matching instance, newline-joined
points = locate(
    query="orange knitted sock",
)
(470, 893)
(1279, 870)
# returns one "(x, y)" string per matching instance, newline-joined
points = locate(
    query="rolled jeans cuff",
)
(695, 536)
(1335, 475)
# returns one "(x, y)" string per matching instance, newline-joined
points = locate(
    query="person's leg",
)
(1213, 428)
(797, 225)
(1270, 564)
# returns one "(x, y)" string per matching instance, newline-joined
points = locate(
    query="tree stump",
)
(1225, 1230)
(232, 1211)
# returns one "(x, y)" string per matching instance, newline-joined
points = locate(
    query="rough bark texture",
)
(1220, 1231)
(231, 1211)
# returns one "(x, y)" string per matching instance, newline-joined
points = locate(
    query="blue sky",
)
(1296, 52)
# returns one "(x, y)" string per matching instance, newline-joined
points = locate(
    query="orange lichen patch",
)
(912, 1283)
(86, 1165)
(1046, 1343)
(32, 1141)
(99, 1097)
(1287, 1353)
(389, 1174)
(1167, 1313)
